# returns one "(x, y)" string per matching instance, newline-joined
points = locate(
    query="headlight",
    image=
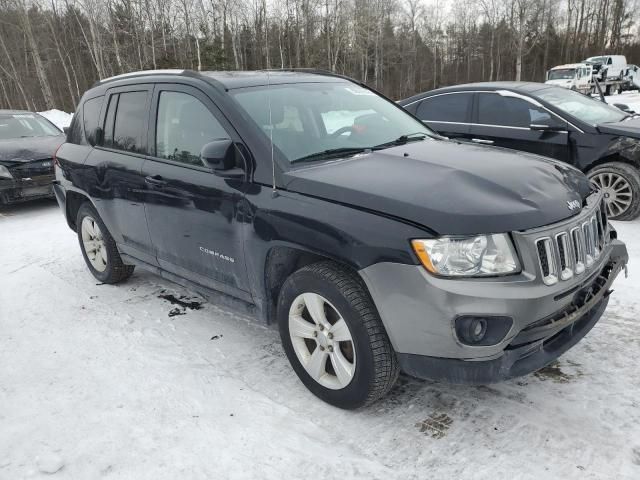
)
(4, 172)
(475, 256)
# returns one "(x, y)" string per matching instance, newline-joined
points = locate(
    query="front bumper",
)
(419, 310)
(535, 346)
(21, 190)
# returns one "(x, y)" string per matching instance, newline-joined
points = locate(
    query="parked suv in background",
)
(27, 144)
(599, 139)
(375, 244)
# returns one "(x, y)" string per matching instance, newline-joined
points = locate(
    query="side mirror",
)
(623, 107)
(65, 130)
(220, 155)
(545, 128)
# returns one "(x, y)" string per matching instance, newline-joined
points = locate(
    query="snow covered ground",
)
(630, 98)
(122, 382)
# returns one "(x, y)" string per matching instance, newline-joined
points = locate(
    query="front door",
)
(194, 216)
(515, 123)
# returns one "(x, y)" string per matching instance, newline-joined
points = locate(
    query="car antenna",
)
(273, 165)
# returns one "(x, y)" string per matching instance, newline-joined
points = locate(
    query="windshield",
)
(562, 74)
(22, 125)
(310, 121)
(596, 59)
(584, 108)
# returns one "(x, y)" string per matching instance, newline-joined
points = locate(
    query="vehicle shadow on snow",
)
(31, 206)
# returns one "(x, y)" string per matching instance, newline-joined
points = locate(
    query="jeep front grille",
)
(573, 250)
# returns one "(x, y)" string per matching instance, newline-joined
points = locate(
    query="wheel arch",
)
(614, 157)
(73, 202)
(281, 261)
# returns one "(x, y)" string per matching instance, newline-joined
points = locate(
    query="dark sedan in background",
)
(28, 142)
(601, 140)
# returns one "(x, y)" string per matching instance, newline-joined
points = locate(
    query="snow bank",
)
(58, 117)
(631, 99)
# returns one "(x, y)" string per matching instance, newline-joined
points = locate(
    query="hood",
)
(21, 150)
(628, 128)
(450, 188)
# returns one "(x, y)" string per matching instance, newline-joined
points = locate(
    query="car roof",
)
(241, 79)
(525, 87)
(13, 112)
(570, 65)
(237, 79)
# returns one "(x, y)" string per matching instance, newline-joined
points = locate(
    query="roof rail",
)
(141, 73)
(315, 71)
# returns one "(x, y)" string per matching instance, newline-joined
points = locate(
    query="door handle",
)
(482, 141)
(155, 180)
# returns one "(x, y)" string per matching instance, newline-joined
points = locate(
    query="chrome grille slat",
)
(578, 250)
(588, 240)
(564, 253)
(547, 259)
(575, 248)
(595, 237)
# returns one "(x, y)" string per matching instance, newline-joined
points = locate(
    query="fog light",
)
(482, 331)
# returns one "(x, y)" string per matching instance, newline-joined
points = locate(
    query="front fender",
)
(618, 148)
(326, 229)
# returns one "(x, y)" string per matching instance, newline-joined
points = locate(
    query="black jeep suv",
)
(374, 243)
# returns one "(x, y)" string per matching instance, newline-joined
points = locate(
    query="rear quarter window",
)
(91, 115)
(74, 135)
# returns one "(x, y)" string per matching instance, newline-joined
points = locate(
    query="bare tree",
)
(53, 50)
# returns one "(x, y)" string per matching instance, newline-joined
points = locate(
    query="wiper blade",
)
(402, 139)
(331, 153)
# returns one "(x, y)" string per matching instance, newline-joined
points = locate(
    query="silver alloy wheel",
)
(319, 333)
(93, 244)
(617, 192)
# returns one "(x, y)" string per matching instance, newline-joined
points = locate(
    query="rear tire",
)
(99, 248)
(621, 184)
(327, 293)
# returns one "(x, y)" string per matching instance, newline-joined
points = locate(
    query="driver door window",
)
(495, 109)
(184, 126)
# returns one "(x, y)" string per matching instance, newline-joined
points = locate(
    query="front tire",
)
(333, 336)
(621, 185)
(99, 248)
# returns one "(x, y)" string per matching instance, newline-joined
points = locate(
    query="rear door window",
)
(453, 107)
(74, 134)
(125, 122)
(130, 118)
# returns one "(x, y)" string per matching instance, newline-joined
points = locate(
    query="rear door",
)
(511, 122)
(194, 216)
(114, 169)
(448, 113)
